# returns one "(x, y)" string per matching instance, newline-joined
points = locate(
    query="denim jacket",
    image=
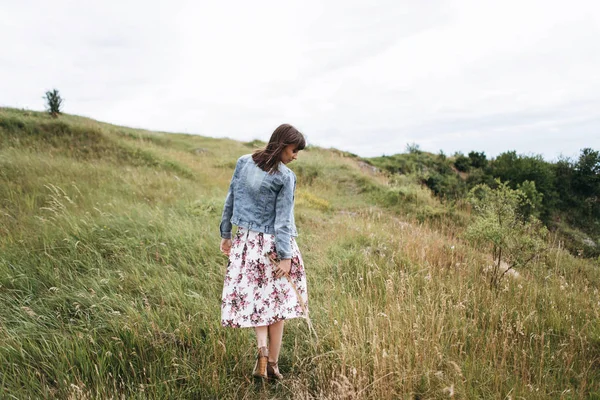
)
(261, 202)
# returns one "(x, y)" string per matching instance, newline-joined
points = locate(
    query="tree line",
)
(559, 193)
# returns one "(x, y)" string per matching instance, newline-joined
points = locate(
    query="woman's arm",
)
(284, 208)
(225, 226)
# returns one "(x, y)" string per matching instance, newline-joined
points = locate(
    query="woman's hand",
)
(283, 268)
(226, 246)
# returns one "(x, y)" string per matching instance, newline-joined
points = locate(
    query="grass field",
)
(110, 281)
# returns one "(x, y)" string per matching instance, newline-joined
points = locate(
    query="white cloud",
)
(367, 77)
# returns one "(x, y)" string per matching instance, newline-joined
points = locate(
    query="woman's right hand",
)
(284, 268)
(226, 246)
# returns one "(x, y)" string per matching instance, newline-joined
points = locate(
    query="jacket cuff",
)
(283, 252)
(225, 229)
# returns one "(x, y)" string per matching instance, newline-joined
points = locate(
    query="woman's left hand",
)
(226, 246)
(283, 268)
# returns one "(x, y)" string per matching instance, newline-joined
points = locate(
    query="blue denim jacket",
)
(261, 202)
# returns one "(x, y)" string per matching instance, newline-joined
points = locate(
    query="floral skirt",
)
(252, 295)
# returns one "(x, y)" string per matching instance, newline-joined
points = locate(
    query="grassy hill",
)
(110, 281)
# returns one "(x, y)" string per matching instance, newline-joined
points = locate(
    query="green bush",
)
(477, 160)
(53, 102)
(448, 186)
(516, 169)
(533, 206)
(462, 163)
(499, 226)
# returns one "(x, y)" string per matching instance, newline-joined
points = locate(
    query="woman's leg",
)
(260, 368)
(275, 336)
(262, 333)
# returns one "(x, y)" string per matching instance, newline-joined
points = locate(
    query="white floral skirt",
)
(252, 295)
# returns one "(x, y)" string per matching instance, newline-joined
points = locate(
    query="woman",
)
(257, 292)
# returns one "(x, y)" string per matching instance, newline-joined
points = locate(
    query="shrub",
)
(533, 206)
(413, 148)
(517, 169)
(499, 226)
(587, 173)
(478, 160)
(448, 186)
(462, 163)
(53, 102)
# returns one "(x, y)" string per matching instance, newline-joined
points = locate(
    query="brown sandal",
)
(260, 368)
(273, 370)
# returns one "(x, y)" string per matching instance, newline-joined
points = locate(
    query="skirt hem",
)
(225, 324)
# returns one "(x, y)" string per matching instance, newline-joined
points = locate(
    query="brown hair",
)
(268, 158)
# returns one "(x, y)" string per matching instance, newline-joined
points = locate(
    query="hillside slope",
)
(110, 280)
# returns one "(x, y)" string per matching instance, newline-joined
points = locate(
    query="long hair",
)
(268, 158)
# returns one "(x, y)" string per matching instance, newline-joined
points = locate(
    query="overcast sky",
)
(362, 76)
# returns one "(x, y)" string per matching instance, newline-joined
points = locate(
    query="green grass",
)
(110, 281)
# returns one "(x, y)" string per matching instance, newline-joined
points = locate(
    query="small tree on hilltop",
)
(413, 148)
(53, 102)
(500, 227)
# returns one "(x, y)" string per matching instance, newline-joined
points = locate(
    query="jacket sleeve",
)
(284, 209)
(225, 226)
